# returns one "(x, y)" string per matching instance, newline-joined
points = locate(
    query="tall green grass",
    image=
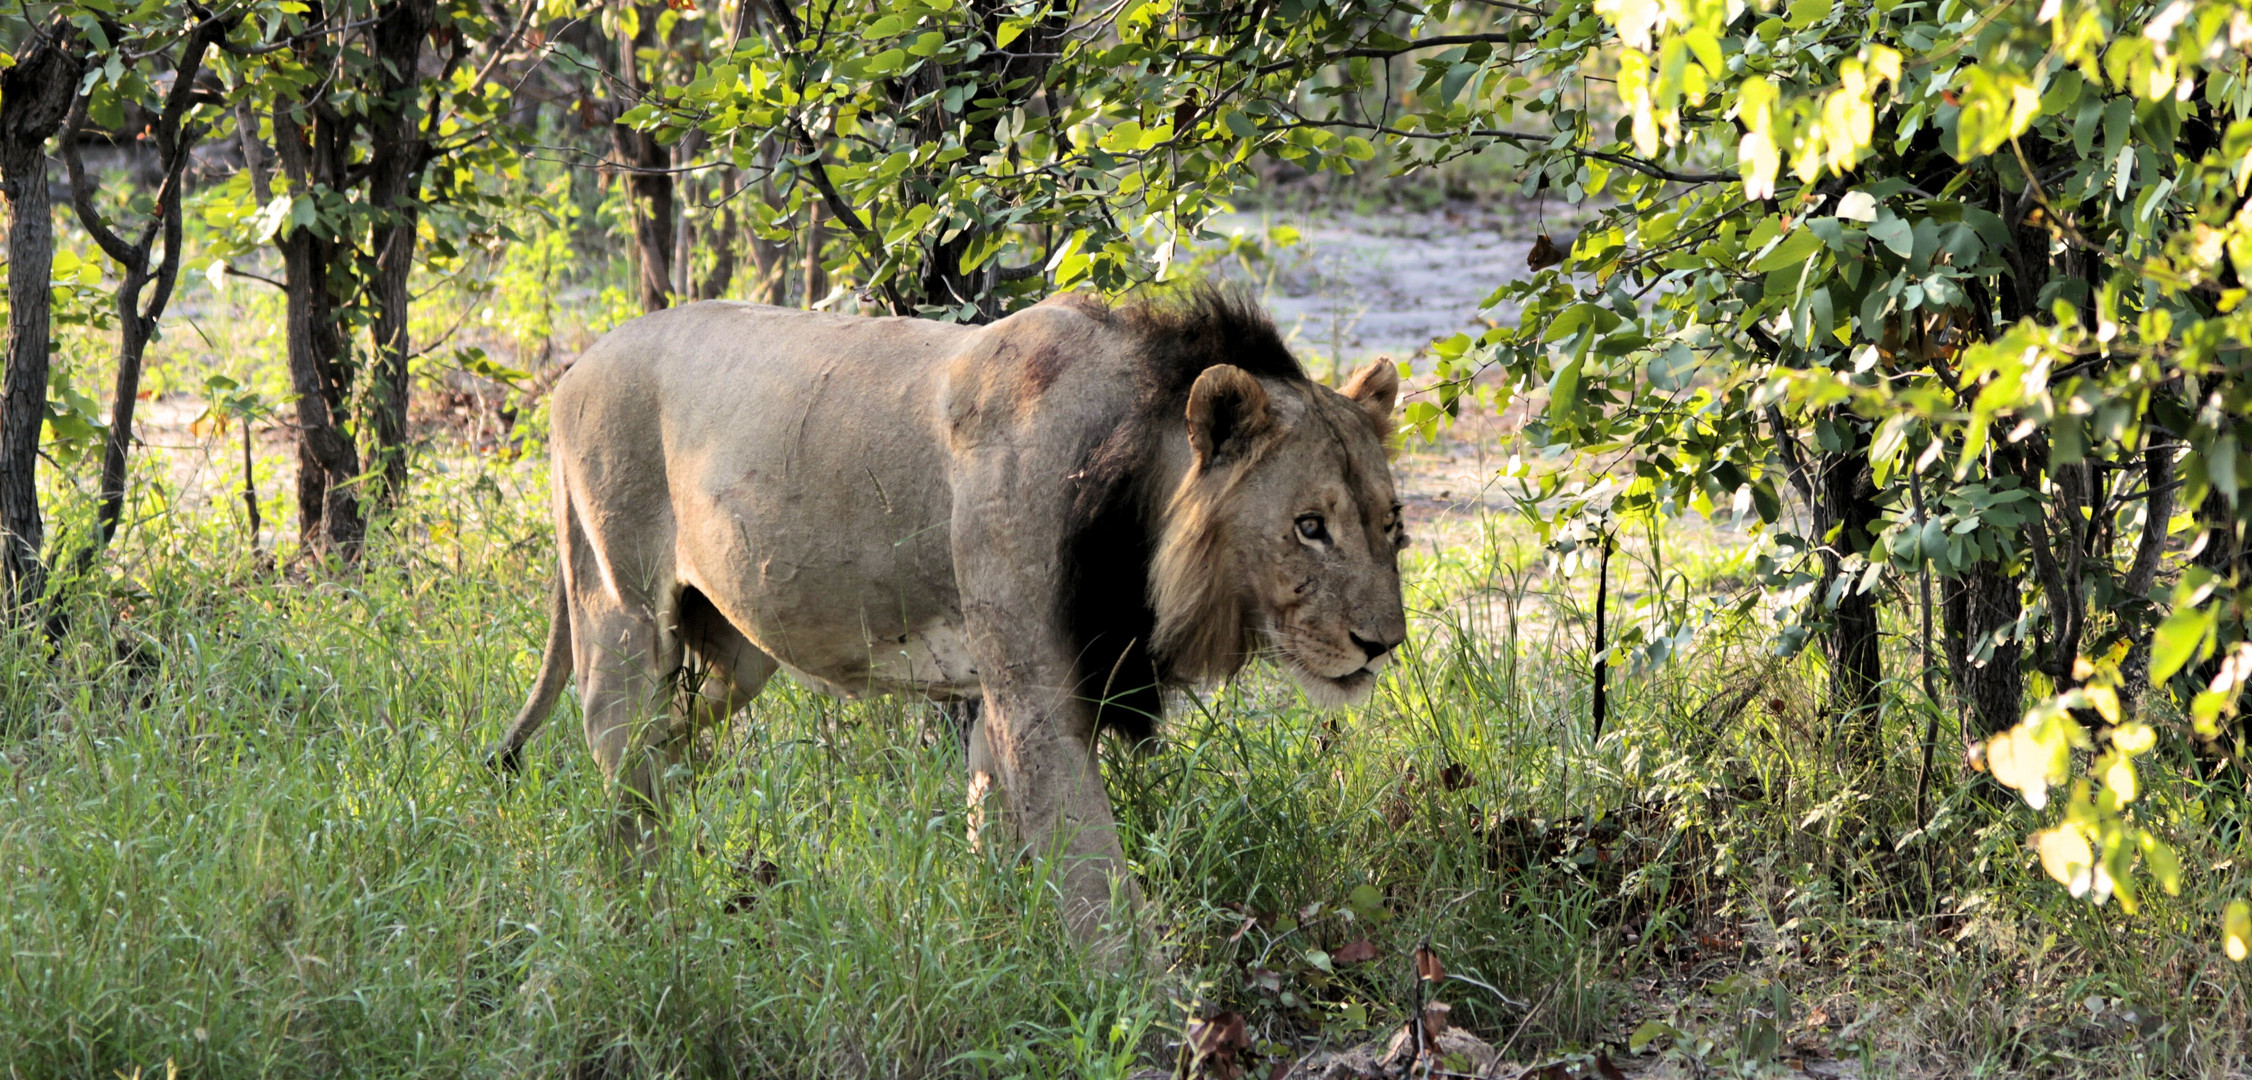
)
(245, 830)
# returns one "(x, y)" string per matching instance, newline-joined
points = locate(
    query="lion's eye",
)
(1310, 527)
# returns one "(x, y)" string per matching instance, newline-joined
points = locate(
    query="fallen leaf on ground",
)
(1214, 1044)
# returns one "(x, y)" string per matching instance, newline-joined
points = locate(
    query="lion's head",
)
(1284, 532)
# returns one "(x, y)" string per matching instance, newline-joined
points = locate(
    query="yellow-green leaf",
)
(2164, 864)
(1792, 251)
(2066, 856)
(2177, 640)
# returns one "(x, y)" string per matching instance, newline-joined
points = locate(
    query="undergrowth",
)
(245, 830)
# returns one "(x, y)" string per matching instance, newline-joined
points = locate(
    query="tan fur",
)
(888, 506)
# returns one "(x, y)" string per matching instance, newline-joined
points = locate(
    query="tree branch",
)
(1434, 42)
(842, 210)
(1520, 138)
(82, 193)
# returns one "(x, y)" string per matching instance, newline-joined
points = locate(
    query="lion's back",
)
(792, 466)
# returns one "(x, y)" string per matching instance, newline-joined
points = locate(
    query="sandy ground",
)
(1358, 286)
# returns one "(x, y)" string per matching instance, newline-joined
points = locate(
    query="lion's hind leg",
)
(626, 654)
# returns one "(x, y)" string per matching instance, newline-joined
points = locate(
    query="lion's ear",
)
(1375, 388)
(1227, 409)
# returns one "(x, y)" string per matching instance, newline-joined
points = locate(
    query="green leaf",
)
(1702, 42)
(1805, 13)
(1451, 85)
(2176, 641)
(1764, 499)
(1794, 250)
(2220, 466)
(1649, 1032)
(1934, 540)
(268, 220)
(1894, 233)
(1564, 393)
(1365, 900)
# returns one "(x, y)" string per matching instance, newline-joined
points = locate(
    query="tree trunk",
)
(1976, 608)
(648, 185)
(35, 96)
(715, 283)
(137, 319)
(2142, 574)
(816, 278)
(396, 156)
(770, 260)
(1846, 502)
(328, 465)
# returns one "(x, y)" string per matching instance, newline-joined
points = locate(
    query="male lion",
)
(1064, 513)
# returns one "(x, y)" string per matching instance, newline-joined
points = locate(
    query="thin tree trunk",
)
(715, 284)
(816, 279)
(684, 251)
(35, 96)
(328, 465)
(397, 154)
(1980, 610)
(136, 318)
(2142, 574)
(770, 259)
(649, 186)
(250, 486)
(1847, 504)
(1602, 704)
(253, 151)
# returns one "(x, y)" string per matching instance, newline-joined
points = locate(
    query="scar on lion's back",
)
(1041, 364)
(1045, 346)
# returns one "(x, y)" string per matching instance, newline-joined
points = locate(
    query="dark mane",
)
(1112, 532)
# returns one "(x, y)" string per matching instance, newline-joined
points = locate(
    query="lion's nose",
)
(1374, 649)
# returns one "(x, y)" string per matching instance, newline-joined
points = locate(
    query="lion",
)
(1060, 516)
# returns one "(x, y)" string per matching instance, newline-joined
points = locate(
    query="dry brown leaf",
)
(1214, 1044)
(1435, 1019)
(1544, 253)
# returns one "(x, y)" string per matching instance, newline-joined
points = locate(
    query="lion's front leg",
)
(1035, 737)
(1043, 785)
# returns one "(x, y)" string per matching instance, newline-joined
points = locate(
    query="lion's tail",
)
(555, 670)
